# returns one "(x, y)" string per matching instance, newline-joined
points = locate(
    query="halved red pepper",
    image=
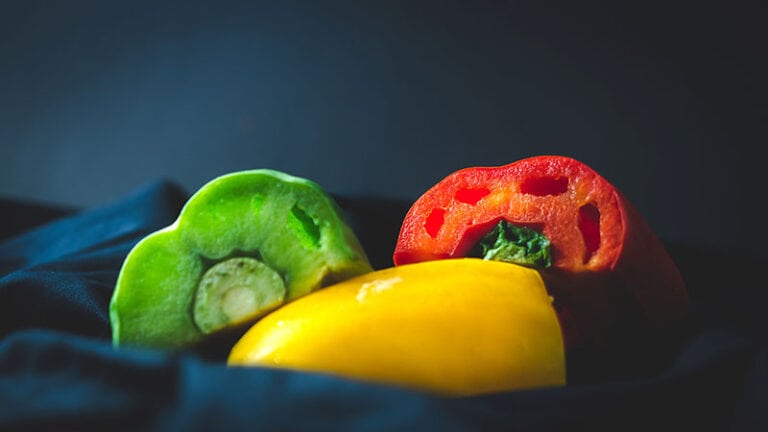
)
(607, 265)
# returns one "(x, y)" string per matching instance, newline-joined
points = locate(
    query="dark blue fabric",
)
(58, 370)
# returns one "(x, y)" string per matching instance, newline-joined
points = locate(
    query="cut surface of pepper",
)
(606, 260)
(455, 327)
(243, 244)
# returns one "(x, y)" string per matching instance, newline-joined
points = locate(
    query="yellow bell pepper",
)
(454, 327)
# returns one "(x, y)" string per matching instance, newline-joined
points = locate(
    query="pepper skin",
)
(244, 244)
(453, 327)
(609, 270)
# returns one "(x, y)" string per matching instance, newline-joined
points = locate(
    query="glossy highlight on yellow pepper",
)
(455, 327)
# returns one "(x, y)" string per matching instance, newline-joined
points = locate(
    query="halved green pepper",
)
(244, 244)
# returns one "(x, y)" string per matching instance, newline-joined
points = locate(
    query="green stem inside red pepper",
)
(514, 244)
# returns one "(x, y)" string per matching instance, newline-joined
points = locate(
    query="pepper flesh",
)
(606, 259)
(244, 243)
(455, 327)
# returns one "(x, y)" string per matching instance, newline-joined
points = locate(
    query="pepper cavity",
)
(511, 243)
(235, 291)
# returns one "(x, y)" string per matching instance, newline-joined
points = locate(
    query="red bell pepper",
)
(608, 268)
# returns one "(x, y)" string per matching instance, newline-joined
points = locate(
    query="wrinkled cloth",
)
(59, 371)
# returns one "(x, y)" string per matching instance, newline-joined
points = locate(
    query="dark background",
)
(383, 99)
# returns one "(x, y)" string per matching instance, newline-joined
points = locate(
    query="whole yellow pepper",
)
(456, 327)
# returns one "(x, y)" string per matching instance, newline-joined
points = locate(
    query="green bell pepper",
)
(244, 244)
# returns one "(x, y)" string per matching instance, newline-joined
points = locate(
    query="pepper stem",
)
(236, 291)
(514, 244)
